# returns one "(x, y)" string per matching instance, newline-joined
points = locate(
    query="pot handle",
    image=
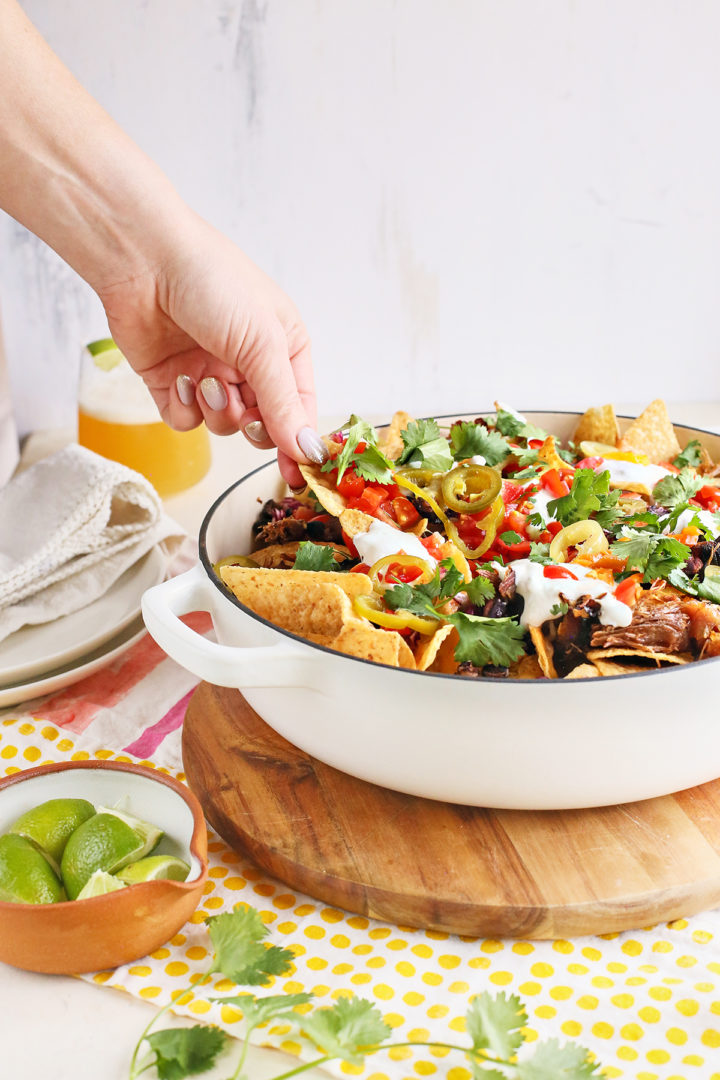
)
(278, 665)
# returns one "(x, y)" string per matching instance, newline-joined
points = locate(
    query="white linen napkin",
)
(70, 525)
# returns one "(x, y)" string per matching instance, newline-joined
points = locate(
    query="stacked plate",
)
(42, 659)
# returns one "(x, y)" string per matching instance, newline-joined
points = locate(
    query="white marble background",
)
(466, 198)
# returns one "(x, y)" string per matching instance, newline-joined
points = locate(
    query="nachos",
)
(488, 549)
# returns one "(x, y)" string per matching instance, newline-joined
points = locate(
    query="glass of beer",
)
(118, 418)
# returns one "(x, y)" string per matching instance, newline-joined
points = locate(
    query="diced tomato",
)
(386, 513)
(627, 590)
(554, 483)
(516, 522)
(470, 530)
(535, 444)
(360, 448)
(512, 493)
(558, 572)
(303, 513)
(433, 544)
(590, 463)
(708, 497)
(351, 486)
(400, 574)
(405, 513)
(361, 568)
(350, 546)
(369, 500)
(554, 527)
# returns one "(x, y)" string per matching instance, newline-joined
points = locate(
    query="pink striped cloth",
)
(135, 705)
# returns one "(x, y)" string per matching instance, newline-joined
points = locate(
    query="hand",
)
(216, 340)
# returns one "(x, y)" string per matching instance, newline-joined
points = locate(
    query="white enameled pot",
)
(519, 744)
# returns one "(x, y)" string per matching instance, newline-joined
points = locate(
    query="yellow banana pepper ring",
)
(370, 607)
(490, 524)
(587, 536)
(469, 489)
(380, 584)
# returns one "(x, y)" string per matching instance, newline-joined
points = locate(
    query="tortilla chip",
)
(652, 434)
(616, 667)
(445, 661)
(598, 425)
(303, 607)
(353, 522)
(544, 652)
(583, 671)
(359, 638)
(389, 439)
(427, 648)
(527, 667)
(282, 556)
(549, 454)
(324, 489)
(351, 584)
(599, 655)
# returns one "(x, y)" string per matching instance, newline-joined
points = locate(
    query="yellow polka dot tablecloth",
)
(645, 1003)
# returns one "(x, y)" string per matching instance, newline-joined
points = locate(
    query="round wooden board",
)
(419, 863)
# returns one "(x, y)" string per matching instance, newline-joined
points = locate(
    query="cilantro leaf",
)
(257, 1010)
(424, 599)
(553, 1061)
(425, 446)
(470, 440)
(494, 1023)
(652, 553)
(540, 553)
(181, 1052)
(590, 494)
(560, 608)
(373, 461)
(526, 457)
(570, 454)
(314, 557)
(347, 1029)
(707, 589)
(515, 428)
(240, 954)
(511, 537)
(691, 455)
(672, 490)
(480, 590)
(372, 465)
(487, 641)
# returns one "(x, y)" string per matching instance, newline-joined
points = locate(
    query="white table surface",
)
(65, 1029)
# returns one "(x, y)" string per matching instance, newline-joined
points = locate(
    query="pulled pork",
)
(665, 621)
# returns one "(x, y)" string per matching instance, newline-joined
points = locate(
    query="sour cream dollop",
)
(623, 473)
(382, 539)
(541, 593)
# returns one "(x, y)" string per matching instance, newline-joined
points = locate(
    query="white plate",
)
(42, 649)
(70, 673)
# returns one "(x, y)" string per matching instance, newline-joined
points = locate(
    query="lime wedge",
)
(149, 834)
(105, 354)
(26, 876)
(154, 868)
(103, 842)
(51, 824)
(98, 884)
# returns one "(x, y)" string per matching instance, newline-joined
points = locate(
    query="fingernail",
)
(312, 445)
(185, 389)
(298, 489)
(256, 431)
(214, 393)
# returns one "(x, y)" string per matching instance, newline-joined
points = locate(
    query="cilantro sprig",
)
(653, 554)
(427, 598)
(499, 642)
(370, 463)
(514, 427)
(474, 440)
(691, 455)
(424, 446)
(314, 557)
(589, 496)
(673, 490)
(349, 1030)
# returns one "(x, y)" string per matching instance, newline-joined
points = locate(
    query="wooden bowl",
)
(105, 931)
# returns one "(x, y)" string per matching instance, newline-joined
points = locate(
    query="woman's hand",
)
(216, 340)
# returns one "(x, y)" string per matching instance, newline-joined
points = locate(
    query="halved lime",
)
(26, 876)
(51, 824)
(98, 884)
(104, 842)
(154, 868)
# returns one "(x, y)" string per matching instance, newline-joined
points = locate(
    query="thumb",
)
(284, 391)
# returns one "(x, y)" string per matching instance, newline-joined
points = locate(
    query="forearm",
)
(67, 171)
